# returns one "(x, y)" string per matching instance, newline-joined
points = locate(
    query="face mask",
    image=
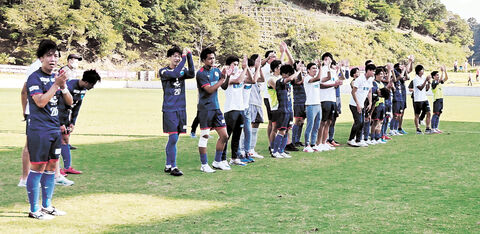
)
(74, 64)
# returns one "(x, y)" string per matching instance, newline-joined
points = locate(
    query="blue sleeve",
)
(191, 67)
(34, 85)
(166, 74)
(75, 111)
(202, 80)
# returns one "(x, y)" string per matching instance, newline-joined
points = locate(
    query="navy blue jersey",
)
(173, 84)
(404, 89)
(42, 119)
(299, 95)
(397, 93)
(68, 114)
(283, 96)
(205, 77)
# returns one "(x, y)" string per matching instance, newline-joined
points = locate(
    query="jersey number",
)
(53, 111)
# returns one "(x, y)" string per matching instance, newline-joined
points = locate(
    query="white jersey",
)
(234, 96)
(328, 94)
(419, 95)
(312, 91)
(363, 88)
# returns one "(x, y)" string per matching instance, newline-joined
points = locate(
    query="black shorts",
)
(329, 111)
(438, 106)
(404, 103)
(283, 120)
(299, 111)
(174, 122)
(418, 107)
(397, 107)
(209, 119)
(43, 146)
(269, 109)
(379, 112)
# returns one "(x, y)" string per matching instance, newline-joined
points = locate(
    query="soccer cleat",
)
(402, 132)
(61, 180)
(40, 216)
(256, 155)
(308, 149)
(22, 183)
(284, 155)
(277, 155)
(192, 135)
(352, 143)
(176, 172)
(167, 169)
(206, 168)
(53, 211)
(419, 132)
(72, 170)
(220, 165)
(237, 162)
(291, 147)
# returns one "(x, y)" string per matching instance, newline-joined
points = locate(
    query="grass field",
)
(422, 184)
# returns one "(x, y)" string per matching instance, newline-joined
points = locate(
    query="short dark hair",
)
(232, 59)
(385, 93)
(287, 69)
(46, 46)
(368, 62)
(91, 76)
(310, 65)
(268, 52)
(434, 73)
(378, 71)
(173, 50)
(295, 64)
(275, 64)
(254, 57)
(418, 68)
(205, 52)
(251, 62)
(353, 71)
(327, 54)
(370, 67)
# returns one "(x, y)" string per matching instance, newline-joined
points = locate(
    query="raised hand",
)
(244, 62)
(258, 62)
(61, 78)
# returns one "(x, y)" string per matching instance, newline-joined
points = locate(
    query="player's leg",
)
(25, 166)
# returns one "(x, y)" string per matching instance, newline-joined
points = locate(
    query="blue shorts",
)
(438, 106)
(284, 120)
(379, 112)
(299, 111)
(175, 122)
(209, 119)
(43, 146)
(397, 107)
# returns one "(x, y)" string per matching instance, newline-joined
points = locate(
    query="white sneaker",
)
(379, 141)
(321, 148)
(277, 155)
(308, 149)
(206, 168)
(362, 144)
(220, 165)
(285, 155)
(22, 183)
(61, 180)
(398, 133)
(237, 162)
(328, 147)
(352, 143)
(40, 216)
(255, 154)
(374, 142)
(422, 122)
(53, 211)
(225, 163)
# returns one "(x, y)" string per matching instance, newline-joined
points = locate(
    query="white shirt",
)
(419, 95)
(31, 69)
(328, 94)
(363, 88)
(312, 91)
(234, 96)
(247, 88)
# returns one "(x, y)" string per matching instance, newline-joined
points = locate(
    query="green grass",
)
(412, 184)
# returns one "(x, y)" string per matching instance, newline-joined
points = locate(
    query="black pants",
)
(195, 124)
(357, 127)
(234, 120)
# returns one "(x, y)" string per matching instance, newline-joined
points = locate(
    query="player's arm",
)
(258, 75)
(291, 61)
(75, 111)
(354, 96)
(191, 66)
(243, 73)
(445, 78)
(317, 77)
(175, 73)
(369, 100)
(23, 98)
(272, 83)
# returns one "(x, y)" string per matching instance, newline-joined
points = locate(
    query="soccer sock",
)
(67, 158)
(218, 155)
(437, 122)
(284, 144)
(203, 158)
(294, 133)
(33, 180)
(253, 143)
(299, 133)
(277, 142)
(48, 185)
(171, 150)
(366, 130)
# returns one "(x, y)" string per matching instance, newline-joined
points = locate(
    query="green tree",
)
(239, 35)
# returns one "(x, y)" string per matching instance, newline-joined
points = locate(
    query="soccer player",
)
(328, 83)
(209, 79)
(437, 84)
(26, 111)
(420, 87)
(255, 106)
(284, 115)
(388, 83)
(174, 104)
(397, 104)
(362, 89)
(299, 114)
(331, 130)
(379, 94)
(234, 110)
(407, 69)
(313, 106)
(43, 130)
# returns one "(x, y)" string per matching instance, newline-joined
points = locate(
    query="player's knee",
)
(203, 139)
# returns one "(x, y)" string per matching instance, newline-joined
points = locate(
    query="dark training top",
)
(173, 84)
(284, 96)
(205, 77)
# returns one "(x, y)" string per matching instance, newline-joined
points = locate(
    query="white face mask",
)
(74, 64)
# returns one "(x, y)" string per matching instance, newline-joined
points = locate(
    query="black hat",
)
(76, 56)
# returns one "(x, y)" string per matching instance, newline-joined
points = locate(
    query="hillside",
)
(136, 34)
